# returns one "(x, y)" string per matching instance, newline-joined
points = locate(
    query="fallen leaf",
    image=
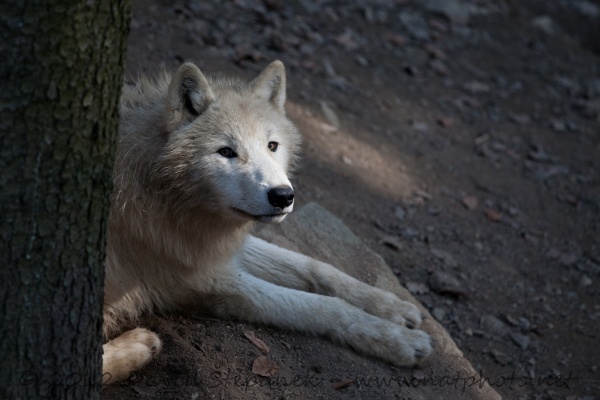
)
(342, 384)
(493, 216)
(263, 366)
(260, 345)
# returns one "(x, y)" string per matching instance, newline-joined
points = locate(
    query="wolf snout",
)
(281, 197)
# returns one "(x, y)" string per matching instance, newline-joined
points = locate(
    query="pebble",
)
(585, 281)
(438, 313)
(400, 212)
(544, 23)
(457, 11)
(476, 87)
(415, 24)
(392, 242)
(444, 283)
(330, 115)
(520, 119)
(470, 202)
(493, 326)
(444, 256)
(417, 287)
(521, 340)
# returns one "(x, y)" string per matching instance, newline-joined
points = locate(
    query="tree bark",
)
(60, 79)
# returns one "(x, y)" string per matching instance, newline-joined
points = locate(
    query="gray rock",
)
(438, 313)
(444, 256)
(400, 213)
(494, 326)
(521, 340)
(457, 11)
(446, 284)
(415, 24)
(316, 232)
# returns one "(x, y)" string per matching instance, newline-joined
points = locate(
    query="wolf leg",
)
(128, 353)
(246, 297)
(297, 271)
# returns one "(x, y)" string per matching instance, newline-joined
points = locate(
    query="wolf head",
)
(229, 147)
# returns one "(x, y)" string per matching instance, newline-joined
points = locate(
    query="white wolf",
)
(199, 161)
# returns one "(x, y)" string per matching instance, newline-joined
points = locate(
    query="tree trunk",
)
(60, 79)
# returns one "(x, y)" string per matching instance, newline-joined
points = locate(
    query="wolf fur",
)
(199, 162)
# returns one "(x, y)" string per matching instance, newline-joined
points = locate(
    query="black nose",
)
(281, 197)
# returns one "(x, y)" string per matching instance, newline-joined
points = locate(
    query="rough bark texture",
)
(60, 80)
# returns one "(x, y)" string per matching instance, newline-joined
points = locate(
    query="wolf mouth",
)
(260, 217)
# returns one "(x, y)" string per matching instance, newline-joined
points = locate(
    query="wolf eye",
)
(273, 146)
(227, 152)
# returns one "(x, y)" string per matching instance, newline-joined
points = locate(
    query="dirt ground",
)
(452, 136)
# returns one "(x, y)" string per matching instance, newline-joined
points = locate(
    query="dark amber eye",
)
(273, 146)
(227, 152)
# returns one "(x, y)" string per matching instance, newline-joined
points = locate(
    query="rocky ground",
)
(459, 139)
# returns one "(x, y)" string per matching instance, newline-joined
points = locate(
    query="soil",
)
(460, 140)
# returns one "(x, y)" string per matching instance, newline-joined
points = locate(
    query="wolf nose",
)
(281, 197)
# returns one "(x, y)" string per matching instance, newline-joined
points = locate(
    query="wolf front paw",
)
(388, 306)
(390, 342)
(128, 353)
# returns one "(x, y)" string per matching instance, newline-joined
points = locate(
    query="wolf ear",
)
(270, 84)
(189, 95)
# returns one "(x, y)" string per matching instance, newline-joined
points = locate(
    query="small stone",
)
(400, 213)
(443, 255)
(457, 11)
(521, 340)
(347, 40)
(524, 323)
(420, 126)
(558, 125)
(470, 202)
(415, 24)
(476, 87)
(544, 23)
(392, 242)
(438, 313)
(446, 284)
(469, 332)
(494, 326)
(499, 357)
(585, 281)
(361, 60)
(347, 160)
(417, 288)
